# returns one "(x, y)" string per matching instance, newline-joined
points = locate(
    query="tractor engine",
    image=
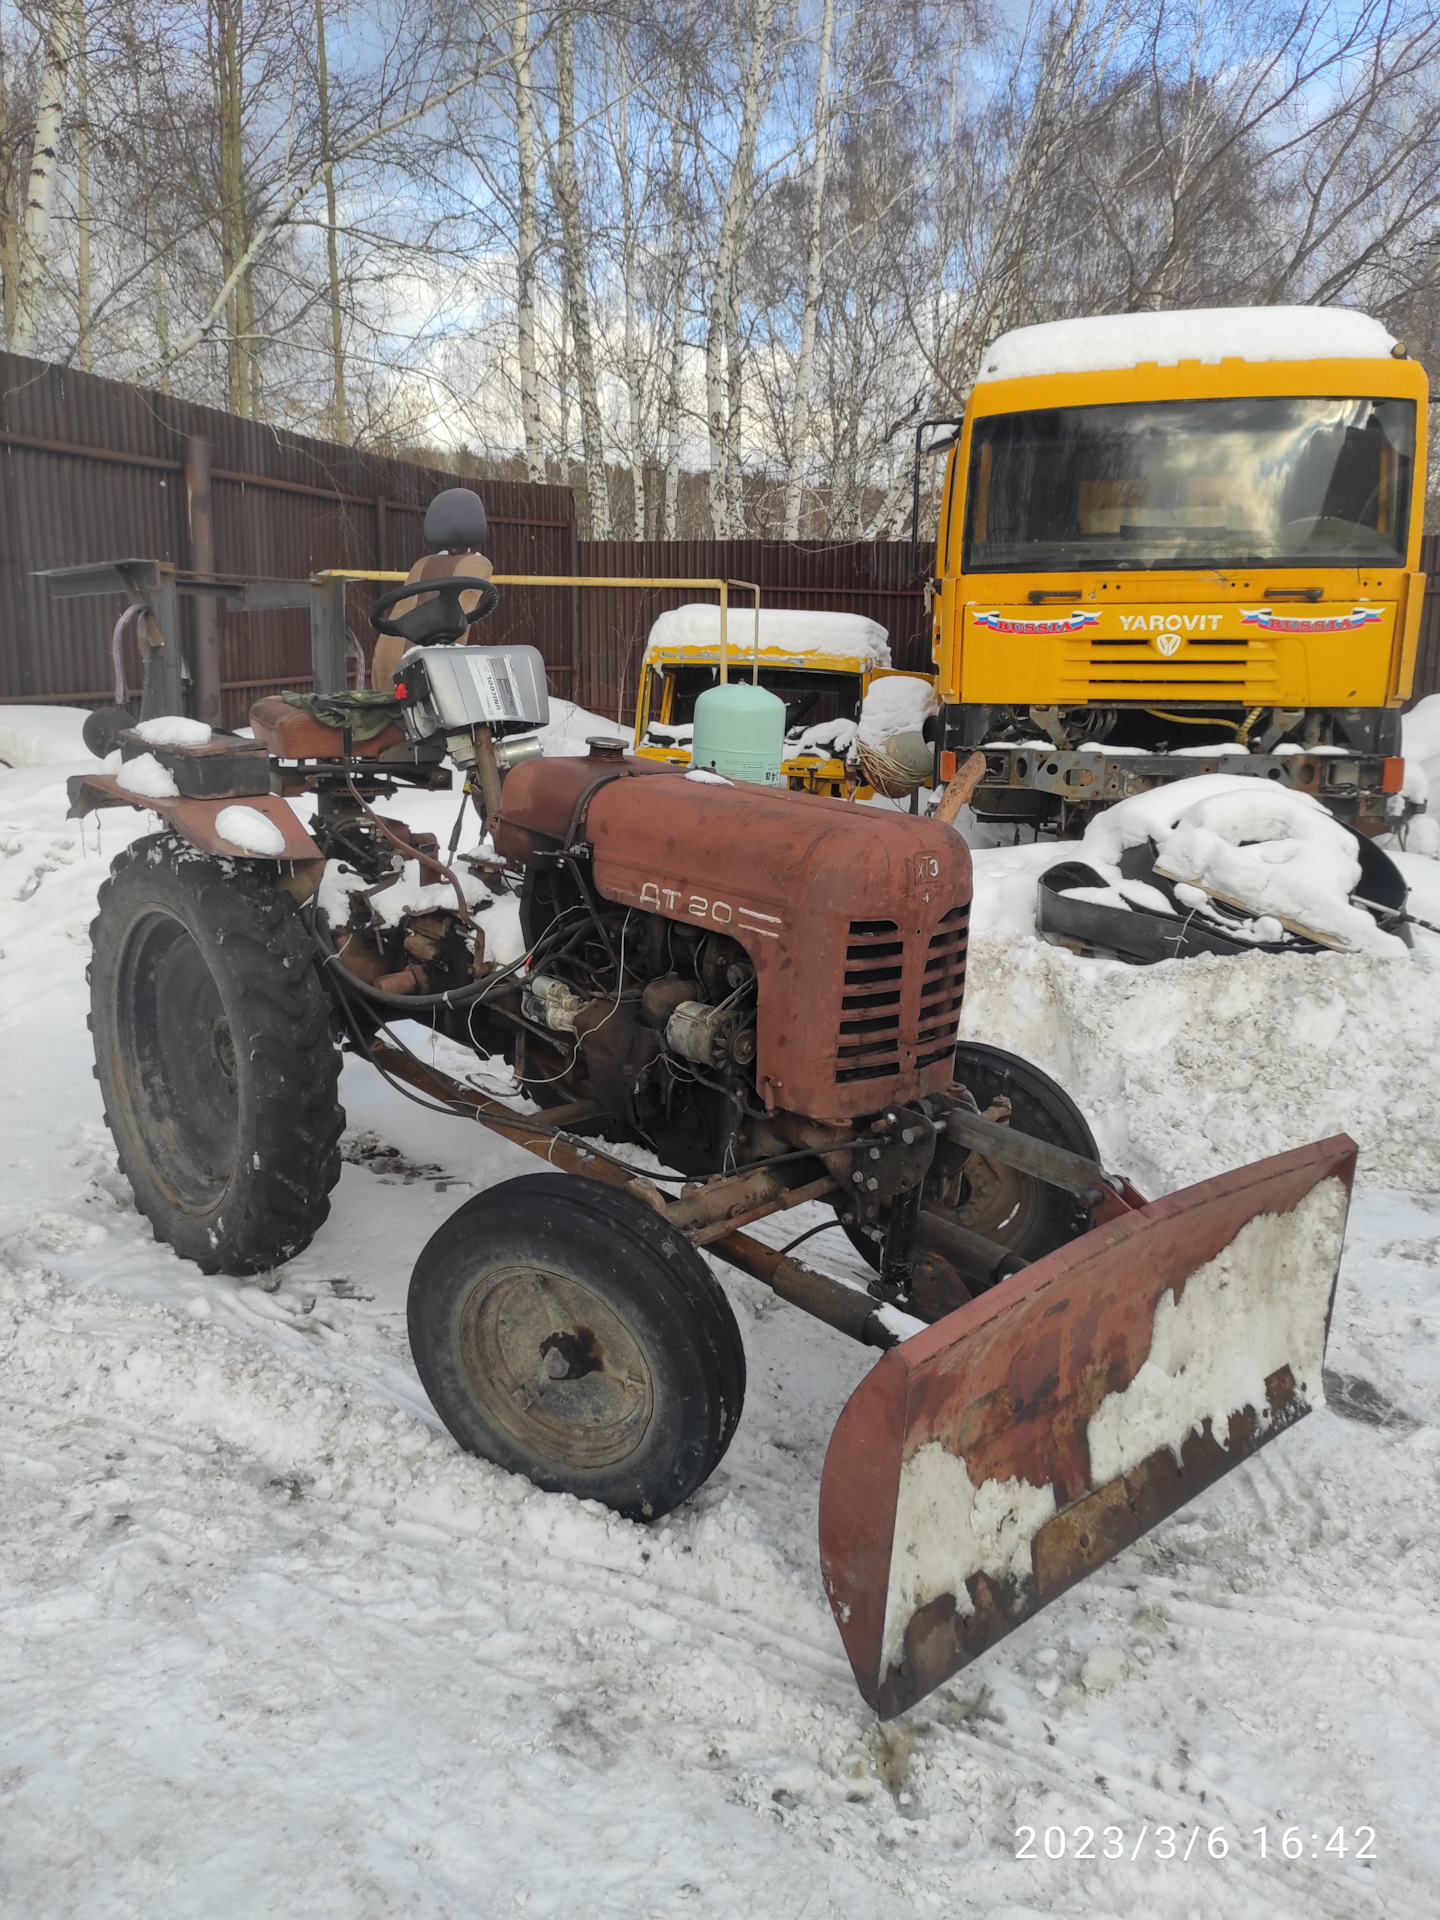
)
(729, 973)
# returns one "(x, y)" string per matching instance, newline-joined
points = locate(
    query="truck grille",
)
(877, 999)
(1207, 667)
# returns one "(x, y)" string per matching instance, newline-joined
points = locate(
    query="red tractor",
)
(763, 988)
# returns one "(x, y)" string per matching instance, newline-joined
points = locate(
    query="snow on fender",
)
(990, 1462)
(251, 831)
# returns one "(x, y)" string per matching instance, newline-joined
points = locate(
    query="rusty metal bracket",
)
(1057, 1166)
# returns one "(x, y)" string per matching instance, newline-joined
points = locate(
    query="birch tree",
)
(724, 372)
(595, 515)
(527, 258)
(823, 116)
(31, 263)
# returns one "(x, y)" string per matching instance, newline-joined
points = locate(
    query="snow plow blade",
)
(987, 1464)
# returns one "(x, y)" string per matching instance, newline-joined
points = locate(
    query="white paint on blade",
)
(947, 1530)
(1260, 1304)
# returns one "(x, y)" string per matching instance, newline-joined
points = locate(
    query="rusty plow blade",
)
(985, 1465)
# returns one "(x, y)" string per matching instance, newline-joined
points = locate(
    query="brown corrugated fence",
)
(91, 470)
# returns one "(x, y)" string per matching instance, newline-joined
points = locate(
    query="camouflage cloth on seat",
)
(365, 713)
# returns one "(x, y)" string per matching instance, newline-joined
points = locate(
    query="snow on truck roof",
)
(1112, 341)
(788, 631)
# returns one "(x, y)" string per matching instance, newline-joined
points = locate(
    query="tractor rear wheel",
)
(564, 1331)
(1001, 1203)
(1013, 1208)
(215, 1055)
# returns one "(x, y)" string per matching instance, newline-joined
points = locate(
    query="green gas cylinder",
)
(740, 732)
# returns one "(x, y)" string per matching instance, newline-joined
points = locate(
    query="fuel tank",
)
(854, 917)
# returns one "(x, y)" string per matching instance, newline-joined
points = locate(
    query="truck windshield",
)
(1191, 483)
(811, 697)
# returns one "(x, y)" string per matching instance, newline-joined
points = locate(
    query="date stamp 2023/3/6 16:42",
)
(1161, 1842)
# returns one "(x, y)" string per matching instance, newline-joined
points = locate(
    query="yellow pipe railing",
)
(722, 587)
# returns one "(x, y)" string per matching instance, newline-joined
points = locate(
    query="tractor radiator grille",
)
(874, 998)
(943, 990)
(870, 1003)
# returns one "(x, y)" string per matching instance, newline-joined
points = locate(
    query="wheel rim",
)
(554, 1366)
(1000, 1202)
(179, 1069)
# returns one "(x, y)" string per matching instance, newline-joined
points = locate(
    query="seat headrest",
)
(455, 521)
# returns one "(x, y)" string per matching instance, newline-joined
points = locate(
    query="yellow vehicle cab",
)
(1179, 543)
(820, 664)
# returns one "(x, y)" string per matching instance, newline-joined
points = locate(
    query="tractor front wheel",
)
(215, 1055)
(564, 1331)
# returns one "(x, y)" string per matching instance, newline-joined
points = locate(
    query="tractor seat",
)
(432, 566)
(295, 732)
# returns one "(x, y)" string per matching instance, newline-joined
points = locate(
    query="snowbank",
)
(786, 631)
(1421, 747)
(1111, 341)
(900, 703)
(43, 736)
(1194, 1066)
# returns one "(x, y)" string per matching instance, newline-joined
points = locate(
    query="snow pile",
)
(898, 703)
(829, 740)
(251, 831)
(1274, 853)
(1421, 735)
(783, 630)
(1111, 341)
(707, 778)
(1194, 1066)
(173, 730)
(145, 777)
(43, 736)
(1277, 853)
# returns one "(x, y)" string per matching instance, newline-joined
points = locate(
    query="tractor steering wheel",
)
(433, 623)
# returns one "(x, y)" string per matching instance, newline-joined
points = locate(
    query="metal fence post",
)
(169, 665)
(206, 614)
(329, 646)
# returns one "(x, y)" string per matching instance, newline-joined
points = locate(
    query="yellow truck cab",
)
(1180, 543)
(820, 664)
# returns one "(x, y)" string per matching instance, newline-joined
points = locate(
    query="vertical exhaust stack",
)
(992, 1461)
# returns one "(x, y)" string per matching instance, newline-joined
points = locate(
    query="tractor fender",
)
(195, 819)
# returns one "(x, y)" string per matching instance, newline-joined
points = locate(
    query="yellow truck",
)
(821, 665)
(1180, 543)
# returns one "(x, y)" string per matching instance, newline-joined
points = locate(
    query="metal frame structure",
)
(158, 587)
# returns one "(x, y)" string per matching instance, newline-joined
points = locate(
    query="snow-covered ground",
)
(274, 1647)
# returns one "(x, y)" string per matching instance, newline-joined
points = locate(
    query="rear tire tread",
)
(280, 1015)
